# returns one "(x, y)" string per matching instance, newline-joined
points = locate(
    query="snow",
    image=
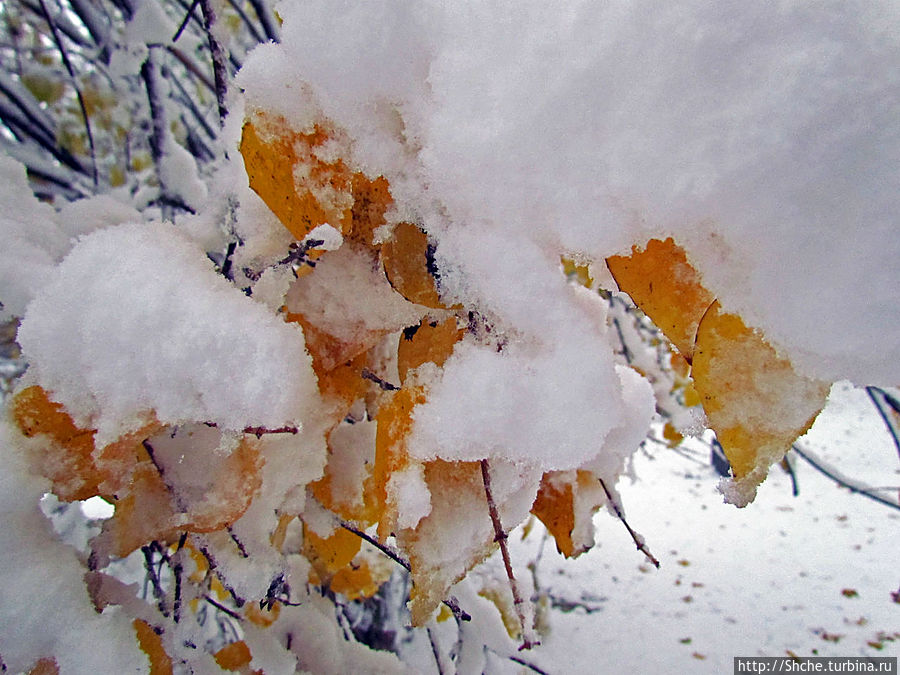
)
(753, 133)
(214, 356)
(751, 582)
(763, 137)
(38, 572)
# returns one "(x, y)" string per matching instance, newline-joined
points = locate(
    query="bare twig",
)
(830, 473)
(500, 537)
(259, 432)
(153, 575)
(266, 19)
(220, 71)
(527, 664)
(891, 427)
(187, 19)
(68, 64)
(451, 603)
(222, 608)
(635, 537)
(382, 383)
(237, 542)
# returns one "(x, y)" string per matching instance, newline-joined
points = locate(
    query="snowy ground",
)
(811, 575)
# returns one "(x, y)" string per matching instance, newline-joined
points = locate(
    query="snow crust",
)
(764, 137)
(136, 321)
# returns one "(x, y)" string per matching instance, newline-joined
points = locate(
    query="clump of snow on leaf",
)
(763, 137)
(136, 321)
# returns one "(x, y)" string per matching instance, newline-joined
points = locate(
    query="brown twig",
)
(500, 537)
(262, 431)
(382, 383)
(635, 537)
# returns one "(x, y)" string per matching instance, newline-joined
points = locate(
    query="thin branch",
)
(892, 430)
(832, 474)
(220, 70)
(246, 19)
(266, 19)
(500, 537)
(383, 384)
(635, 537)
(530, 666)
(68, 64)
(451, 603)
(222, 608)
(435, 650)
(192, 67)
(187, 18)
(154, 579)
(259, 432)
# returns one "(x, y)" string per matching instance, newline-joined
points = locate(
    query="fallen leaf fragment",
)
(754, 400)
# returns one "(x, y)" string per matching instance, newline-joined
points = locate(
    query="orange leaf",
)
(301, 190)
(45, 666)
(394, 424)
(408, 265)
(754, 400)
(371, 199)
(151, 644)
(430, 341)
(234, 656)
(565, 504)
(555, 507)
(67, 458)
(662, 282)
(329, 554)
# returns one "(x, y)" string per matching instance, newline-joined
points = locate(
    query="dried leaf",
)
(151, 644)
(45, 666)
(754, 400)
(234, 656)
(408, 264)
(302, 190)
(662, 282)
(394, 421)
(430, 341)
(566, 503)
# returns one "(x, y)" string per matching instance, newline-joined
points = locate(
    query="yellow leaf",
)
(394, 424)
(662, 282)
(565, 503)
(754, 400)
(356, 581)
